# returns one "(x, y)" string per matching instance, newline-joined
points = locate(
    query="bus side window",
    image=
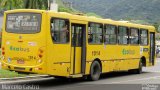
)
(52, 31)
(123, 35)
(110, 36)
(143, 37)
(90, 36)
(60, 30)
(134, 36)
(95, 33)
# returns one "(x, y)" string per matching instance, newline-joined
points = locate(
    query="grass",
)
(9, 74)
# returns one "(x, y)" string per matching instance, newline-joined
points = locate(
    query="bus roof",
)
(25, 10)
(85, 18)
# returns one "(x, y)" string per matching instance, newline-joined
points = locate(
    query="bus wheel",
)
(139, 70)
(95, 71)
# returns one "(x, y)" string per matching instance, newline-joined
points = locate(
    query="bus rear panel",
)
(23, 46)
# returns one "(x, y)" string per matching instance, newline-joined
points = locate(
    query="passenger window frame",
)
(127, 28)
(102, 26)
(134, 36)
(104, 34)
(68, 28)
(142, 29)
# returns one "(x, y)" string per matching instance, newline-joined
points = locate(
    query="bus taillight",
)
(3, 52)
(2, 48)
(40, 53)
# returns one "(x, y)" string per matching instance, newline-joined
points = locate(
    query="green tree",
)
(36, 4)
(64, 9)
(93, 14)
(29, 4)
(11, 4)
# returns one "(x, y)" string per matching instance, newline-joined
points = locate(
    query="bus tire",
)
(95, 71)
(139, 70)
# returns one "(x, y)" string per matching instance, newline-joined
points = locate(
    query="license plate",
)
(20, 61)
(18, 68)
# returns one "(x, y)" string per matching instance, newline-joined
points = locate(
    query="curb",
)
(15, 78)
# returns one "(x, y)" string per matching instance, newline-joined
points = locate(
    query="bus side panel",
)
(113, 57)
(58, 55)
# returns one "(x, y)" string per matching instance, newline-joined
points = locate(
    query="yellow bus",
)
(66, 45)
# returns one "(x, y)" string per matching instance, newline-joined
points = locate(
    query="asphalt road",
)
(110, 81)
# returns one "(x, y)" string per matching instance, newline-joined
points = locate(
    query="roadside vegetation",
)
(39, 4)
(10, 74)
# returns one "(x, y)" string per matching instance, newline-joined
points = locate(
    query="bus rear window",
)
(24, 23)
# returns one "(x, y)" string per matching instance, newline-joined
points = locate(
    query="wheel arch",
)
(143, 60)
(98, 60)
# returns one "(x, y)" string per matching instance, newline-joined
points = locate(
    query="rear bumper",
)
(28, 69)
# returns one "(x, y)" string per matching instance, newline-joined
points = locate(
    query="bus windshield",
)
(24, 23)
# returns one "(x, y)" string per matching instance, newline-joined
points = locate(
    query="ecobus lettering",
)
(12, 48)
(126, 52)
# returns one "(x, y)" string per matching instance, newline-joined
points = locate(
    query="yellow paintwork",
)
(57, 59)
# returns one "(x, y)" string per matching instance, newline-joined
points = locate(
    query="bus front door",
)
(78, 48)
(152, 48)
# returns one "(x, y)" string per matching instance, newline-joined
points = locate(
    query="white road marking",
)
(154, 71)
(136, 80)
(157, 60)
(20, 81)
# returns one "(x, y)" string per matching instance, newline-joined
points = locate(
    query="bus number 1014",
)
(96, 53)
